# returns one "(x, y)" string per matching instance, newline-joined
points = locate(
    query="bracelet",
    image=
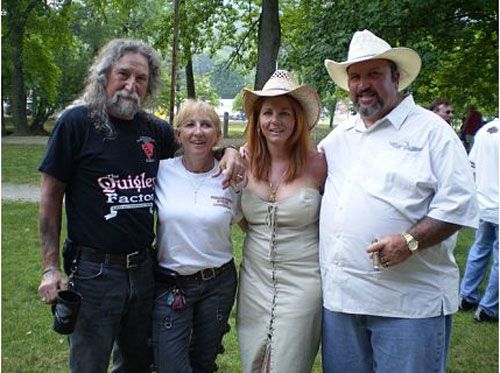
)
(50, 269)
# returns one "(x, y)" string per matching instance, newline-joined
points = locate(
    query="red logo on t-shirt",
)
(148, 147)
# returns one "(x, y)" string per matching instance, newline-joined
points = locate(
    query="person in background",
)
(102, 159)
(398, 186)
(195, 274)
(279, 296)
(484, 160)
(471, 124)
(442, 107)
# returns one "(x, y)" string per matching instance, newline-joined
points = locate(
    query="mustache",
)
(125, 94)
(366, 90)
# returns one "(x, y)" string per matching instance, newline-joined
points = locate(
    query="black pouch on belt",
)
(69, 254)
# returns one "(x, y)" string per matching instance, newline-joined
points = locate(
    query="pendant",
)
(272, 192)
(272, 196)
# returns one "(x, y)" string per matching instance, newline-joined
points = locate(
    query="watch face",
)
(411, 242)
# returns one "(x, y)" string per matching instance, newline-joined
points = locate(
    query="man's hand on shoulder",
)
(232, 166)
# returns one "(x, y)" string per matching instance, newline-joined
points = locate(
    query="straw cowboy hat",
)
(367, 46)
(284, 83)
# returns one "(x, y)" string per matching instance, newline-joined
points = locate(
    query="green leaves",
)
(457, 40)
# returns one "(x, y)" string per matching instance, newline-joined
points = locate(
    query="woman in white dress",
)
(279, 297)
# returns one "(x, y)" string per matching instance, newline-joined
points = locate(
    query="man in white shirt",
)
(484, 160)
(399, 185)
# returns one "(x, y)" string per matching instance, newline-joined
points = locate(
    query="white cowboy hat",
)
(284, 83)
(367, 46)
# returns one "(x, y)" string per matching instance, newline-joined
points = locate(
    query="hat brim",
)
(305, 95)
(407, 60)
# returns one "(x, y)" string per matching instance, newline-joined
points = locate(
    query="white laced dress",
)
(279, 298)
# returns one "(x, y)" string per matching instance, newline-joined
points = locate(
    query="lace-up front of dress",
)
(279, 301)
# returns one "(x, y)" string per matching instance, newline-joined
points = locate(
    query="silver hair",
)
(94, 94)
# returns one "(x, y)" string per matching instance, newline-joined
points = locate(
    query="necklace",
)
(196, 180)
(273, 189)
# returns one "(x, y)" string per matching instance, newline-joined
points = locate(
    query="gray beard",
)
(371, 110)
(122, 107)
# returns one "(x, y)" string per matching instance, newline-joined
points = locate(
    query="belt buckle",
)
(207, 274)
(130, 257)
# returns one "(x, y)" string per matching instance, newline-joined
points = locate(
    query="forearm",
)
(50, 215)
(429, 232)
(50, 228)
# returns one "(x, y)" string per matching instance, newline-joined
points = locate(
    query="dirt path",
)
(20, 192)
(31, 140)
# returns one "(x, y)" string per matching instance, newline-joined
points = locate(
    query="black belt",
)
(127, 261)
(168, 277)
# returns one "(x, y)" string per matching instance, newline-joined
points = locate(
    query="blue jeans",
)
(362, 343)
(116, 305)
(485, 245)
(189, 340)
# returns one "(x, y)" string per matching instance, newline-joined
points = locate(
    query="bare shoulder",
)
(316, 168)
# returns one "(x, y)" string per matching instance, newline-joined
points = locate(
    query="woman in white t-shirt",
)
(195, 276)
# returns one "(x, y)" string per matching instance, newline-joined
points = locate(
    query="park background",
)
(222, 46)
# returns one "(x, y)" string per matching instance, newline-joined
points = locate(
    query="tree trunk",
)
(332, 112)
(269, 42)
(18, 94)
(41, 112)
(17, 16)
(173, 75)
(4, 127)
(190, 87)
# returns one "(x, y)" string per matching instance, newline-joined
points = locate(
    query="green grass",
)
(20, 163)
(30, 345)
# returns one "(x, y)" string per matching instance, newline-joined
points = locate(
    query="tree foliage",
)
(49, 44)
(457, 40)
(29, 26)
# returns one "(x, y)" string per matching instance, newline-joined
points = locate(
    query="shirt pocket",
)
(403, 173)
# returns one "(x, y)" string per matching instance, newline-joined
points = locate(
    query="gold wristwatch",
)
(411, 243)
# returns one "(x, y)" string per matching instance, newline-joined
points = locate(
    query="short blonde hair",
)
(190, 107)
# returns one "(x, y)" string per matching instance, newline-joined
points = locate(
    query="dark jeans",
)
(189, 340)
(116, 305)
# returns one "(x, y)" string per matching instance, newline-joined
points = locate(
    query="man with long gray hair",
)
(103, 159)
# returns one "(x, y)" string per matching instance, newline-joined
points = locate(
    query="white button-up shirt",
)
(381, 181)
(484, 157)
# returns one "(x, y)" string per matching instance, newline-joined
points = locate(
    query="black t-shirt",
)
(110, 182)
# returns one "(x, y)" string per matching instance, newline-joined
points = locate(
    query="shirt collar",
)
(396, 117)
